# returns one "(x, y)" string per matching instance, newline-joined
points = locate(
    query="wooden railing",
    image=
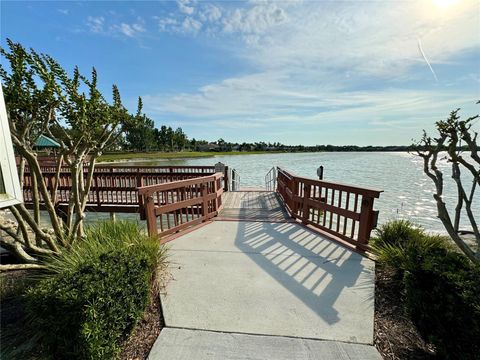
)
(174, 206)
(341, 210)
(115, 188)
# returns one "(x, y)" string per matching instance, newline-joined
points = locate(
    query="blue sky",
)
(311, 72)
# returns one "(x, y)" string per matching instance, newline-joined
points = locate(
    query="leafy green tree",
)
(221, 144)
(141, 136)
(161, 138)
(180, 139)
(193, 144)
(170, 138)
(42, 98)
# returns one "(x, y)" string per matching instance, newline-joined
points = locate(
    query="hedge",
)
(441, 287)
(92, 296)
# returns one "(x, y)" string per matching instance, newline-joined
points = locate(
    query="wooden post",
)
(294, 188)
(151, 216)
(204, 189)
(226, 184)
(366, 221)
(97, 191)
(219, 198)
(306, 208)
(215, 188)
(320, 172)
(141, 207)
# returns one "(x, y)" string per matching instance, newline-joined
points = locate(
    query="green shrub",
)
(399, 244)
(443, 298)
(92, 296)
(441, 287)
(397, 232)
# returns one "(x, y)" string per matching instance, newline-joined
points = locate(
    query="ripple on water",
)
(400, 175)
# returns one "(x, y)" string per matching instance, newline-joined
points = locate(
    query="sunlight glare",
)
(444, 4)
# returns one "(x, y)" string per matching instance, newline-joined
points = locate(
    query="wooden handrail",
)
(147, 190)
(341, 210)
(115, 189)
(174, 206)
(334, 185)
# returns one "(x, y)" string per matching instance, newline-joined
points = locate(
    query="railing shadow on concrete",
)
(313, 268)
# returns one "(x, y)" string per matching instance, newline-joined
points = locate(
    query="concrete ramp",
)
(260, 286)
(183, 344)
(269, 279)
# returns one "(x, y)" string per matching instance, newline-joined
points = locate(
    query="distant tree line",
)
(146, 137)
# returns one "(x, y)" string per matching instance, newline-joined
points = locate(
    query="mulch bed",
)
(140, 342)
(11, 308)
(395, 337)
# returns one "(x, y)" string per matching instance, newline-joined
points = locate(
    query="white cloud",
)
(210, 13)
(165, 24)
(95, 23)
(271, 98)
(254, 20)
(99, 25)
(367, 37)
(130, 30)
(314, 62)
(63, 11)
(190, 25)
(183, 6)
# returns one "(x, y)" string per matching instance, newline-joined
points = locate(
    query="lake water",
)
(407, 191)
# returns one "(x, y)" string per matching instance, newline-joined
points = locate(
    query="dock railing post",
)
(320, 172)
(294, 188)
(226, 183)
(306, 208)
(151, 217)
(221, 167)
(141, 207)
(366, 222)
(204, 189)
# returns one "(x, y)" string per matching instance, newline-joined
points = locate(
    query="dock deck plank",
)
(253, 205)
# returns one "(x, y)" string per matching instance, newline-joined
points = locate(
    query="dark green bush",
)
(443, 298)
(399, 243)
(441, 287)
(397, 232)
(92, 296)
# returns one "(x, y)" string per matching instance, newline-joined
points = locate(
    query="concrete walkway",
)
(184, 344)
(265, 290)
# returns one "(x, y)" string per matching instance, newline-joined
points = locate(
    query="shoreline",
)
(179, 155)
(168, 156)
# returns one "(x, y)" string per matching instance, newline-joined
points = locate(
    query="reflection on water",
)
(407, 191)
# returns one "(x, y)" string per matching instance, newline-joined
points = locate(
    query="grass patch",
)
(176, 155)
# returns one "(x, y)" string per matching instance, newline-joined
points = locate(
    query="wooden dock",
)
(114, 188)
(173, 198)
(253, 205)
(344, 212)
